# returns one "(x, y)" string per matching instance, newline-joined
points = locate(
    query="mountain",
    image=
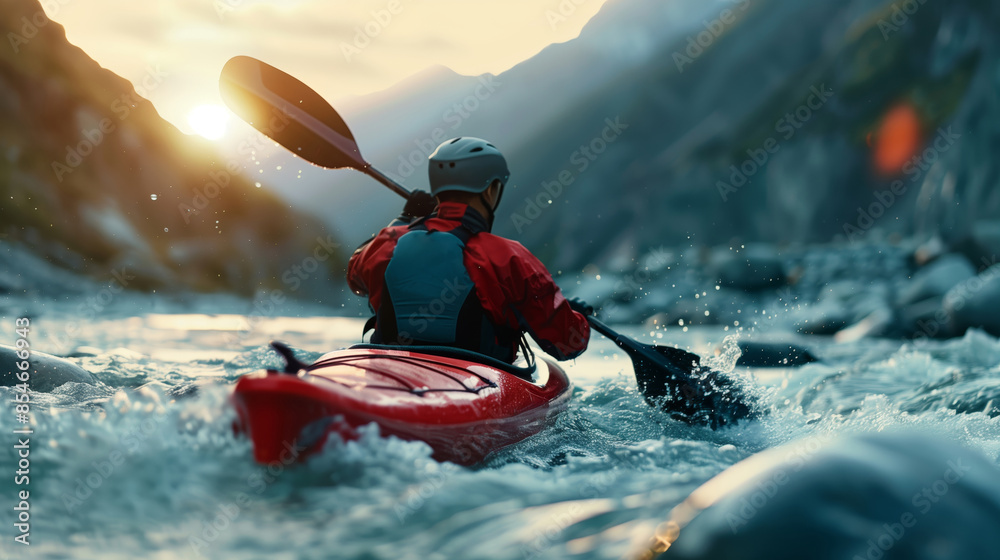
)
(797, 93)
(92, 179)
(810, 81)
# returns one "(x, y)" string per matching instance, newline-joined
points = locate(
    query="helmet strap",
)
(491, 214)
(499, 196)
(491, 208)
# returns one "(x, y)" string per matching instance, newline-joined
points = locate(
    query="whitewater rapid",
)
(144, 463)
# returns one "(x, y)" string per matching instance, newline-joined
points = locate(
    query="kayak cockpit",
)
(526, 373)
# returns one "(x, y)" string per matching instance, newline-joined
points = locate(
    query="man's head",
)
(466, 169)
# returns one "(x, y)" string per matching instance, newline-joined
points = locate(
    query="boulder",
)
(755, 267)
(773, 354)
(46, 371)
(936, 278)
(889, 496)
(975, 303)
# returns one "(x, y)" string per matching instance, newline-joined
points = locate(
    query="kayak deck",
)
(463, 409)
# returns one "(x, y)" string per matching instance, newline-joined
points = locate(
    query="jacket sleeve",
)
(366, 269)
(543, 312)
(355, 269)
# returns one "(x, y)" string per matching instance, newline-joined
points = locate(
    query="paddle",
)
(675, 381)
(293, 115)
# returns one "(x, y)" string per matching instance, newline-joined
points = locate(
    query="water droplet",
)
(257, 185)
(152, 197)
(166, 230)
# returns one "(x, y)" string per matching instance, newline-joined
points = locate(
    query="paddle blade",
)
(674, 381)
(289, 112)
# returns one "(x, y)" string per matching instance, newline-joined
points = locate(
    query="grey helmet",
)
(466, 164)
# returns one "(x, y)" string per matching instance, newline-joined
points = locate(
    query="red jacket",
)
(507, 278)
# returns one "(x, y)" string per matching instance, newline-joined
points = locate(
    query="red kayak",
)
(464, 405)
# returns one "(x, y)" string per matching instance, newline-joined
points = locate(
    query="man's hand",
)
(420, 204)
(577, 304)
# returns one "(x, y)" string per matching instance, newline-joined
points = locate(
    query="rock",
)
(47, 371)
(823, 323)
(773, 354)
(877, 323)
(975, 303)
(935, 279)
(981, 244)
(756, 267)
(924, 319)
(887, 496)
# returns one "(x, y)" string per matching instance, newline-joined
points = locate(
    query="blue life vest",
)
(429, 298)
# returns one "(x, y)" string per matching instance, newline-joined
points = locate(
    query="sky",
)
(342, 48)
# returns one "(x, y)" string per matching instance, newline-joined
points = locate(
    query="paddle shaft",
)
(387, 181)
(633, 348)
(603, 329)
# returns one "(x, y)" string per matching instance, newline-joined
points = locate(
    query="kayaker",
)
(437, 276)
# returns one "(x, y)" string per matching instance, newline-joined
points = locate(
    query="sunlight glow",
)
(210, 121)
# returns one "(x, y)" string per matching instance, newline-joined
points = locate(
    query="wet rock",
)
(47, 371)
(887, 496)
(982, 244)
(975, 303)
(935, 279)
(773, 354)
(878, 323)
(756, 267)
(823, 323)
(924, 319)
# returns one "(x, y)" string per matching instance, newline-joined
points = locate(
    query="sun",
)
(210, 121)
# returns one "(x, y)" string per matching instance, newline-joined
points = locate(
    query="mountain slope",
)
(93, 179)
